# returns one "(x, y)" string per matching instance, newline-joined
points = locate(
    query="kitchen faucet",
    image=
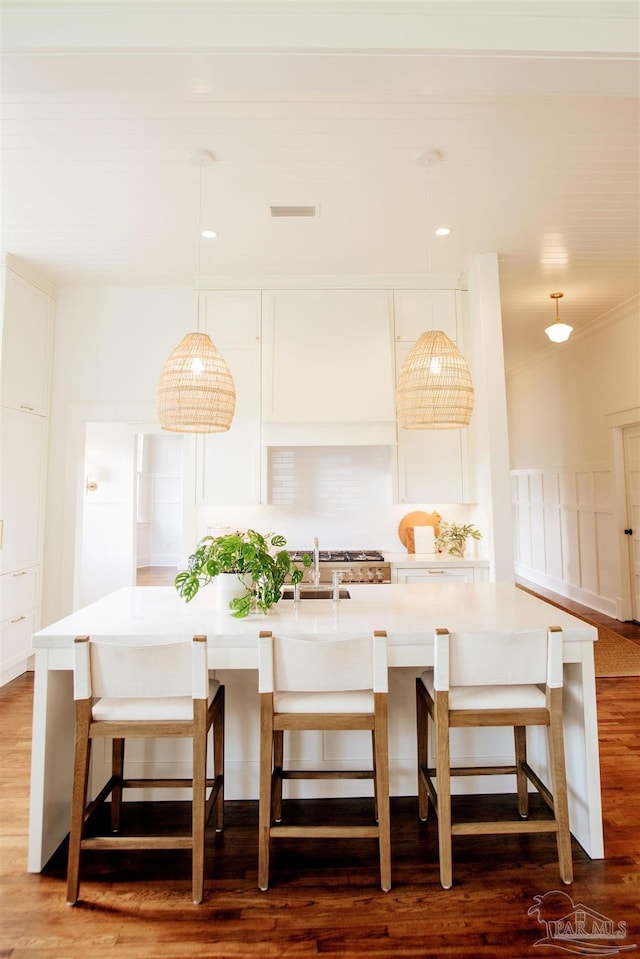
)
(316, 562)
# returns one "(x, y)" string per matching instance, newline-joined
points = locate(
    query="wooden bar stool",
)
(154, 690)
(501, 679)
(313, 683)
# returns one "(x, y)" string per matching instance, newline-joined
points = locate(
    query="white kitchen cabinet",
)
(19, 590)
(433, 465)
(23, 445)
(328, 369)
(15, 643)
(23, 456)
(419, 310)
(439, 572)
(231, 316)
(26, 350)
(228, 465)
(27, 334)
(19, 602)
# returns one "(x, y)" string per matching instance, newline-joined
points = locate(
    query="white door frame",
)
(617, 422)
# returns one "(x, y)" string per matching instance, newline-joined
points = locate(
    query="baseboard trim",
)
(608, 607)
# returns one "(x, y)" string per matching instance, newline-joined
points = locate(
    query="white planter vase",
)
(227, 587)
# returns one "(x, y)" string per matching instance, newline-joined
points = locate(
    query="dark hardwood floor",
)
(324, 899)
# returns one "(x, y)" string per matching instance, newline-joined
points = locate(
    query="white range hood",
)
(328, 376)
(329, 434)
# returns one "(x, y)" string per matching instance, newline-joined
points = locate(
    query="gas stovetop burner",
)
(340, 556)
(349, 565)
(364, 556)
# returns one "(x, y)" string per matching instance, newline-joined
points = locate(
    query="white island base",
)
(408, 613)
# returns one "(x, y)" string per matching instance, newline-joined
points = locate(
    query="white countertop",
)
(409, 614)
(435, 559)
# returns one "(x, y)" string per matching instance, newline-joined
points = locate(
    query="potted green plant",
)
(452, 537)
(259, 562)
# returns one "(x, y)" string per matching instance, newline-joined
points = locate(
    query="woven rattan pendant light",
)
(435, 390)
(196, 392)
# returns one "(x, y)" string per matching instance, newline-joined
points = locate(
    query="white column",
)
(484, 336)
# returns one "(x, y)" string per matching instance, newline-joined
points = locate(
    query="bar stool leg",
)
(266, 780)
(520, 741)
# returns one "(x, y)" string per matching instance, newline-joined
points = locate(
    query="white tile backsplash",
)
(343, 495)
(328, 480)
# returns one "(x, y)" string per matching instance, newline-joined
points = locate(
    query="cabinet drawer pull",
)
(29, 409)
(22, 572)
(18, 619)
(434, 572)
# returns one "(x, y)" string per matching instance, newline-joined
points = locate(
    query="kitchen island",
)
(408, 613)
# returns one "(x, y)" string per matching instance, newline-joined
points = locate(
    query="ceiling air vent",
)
(293, 210)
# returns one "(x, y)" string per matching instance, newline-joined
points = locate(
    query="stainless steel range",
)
(350, 566)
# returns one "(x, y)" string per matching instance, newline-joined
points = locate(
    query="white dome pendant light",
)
(196, 392)
(435, 390)
(558, 332)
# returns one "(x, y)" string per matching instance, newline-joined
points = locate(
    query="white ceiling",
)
(533, 106)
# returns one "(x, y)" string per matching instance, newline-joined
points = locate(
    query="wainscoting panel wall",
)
(565, 534)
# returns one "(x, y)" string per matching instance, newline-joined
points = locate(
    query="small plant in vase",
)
(452, 537)
(258, 561)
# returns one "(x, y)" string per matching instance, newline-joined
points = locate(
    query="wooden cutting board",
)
(417, 518)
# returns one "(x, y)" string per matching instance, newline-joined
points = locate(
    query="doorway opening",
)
(132, 508)
(631, 456)
(158, 508)
(625, 434)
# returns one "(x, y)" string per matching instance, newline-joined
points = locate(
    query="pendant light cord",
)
(199, 243)
(429, 250)
(428, 158)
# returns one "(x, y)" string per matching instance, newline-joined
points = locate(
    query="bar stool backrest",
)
(313, 664)
(498, 659)
(114, 668)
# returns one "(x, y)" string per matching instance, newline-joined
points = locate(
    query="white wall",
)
(561, 448)
(110, 345)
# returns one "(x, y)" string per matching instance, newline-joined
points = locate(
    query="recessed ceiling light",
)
(209, 234)
(443, 231)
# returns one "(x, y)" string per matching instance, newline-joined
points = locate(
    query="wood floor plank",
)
(325, 898)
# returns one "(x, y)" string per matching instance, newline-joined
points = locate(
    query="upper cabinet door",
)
(231, 316)
(433, 465)
(26, 346)
(417, 311)
(228, 465)
(328, 356)
(23, 453)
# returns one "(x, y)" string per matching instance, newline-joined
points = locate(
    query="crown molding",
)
(16, 265)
